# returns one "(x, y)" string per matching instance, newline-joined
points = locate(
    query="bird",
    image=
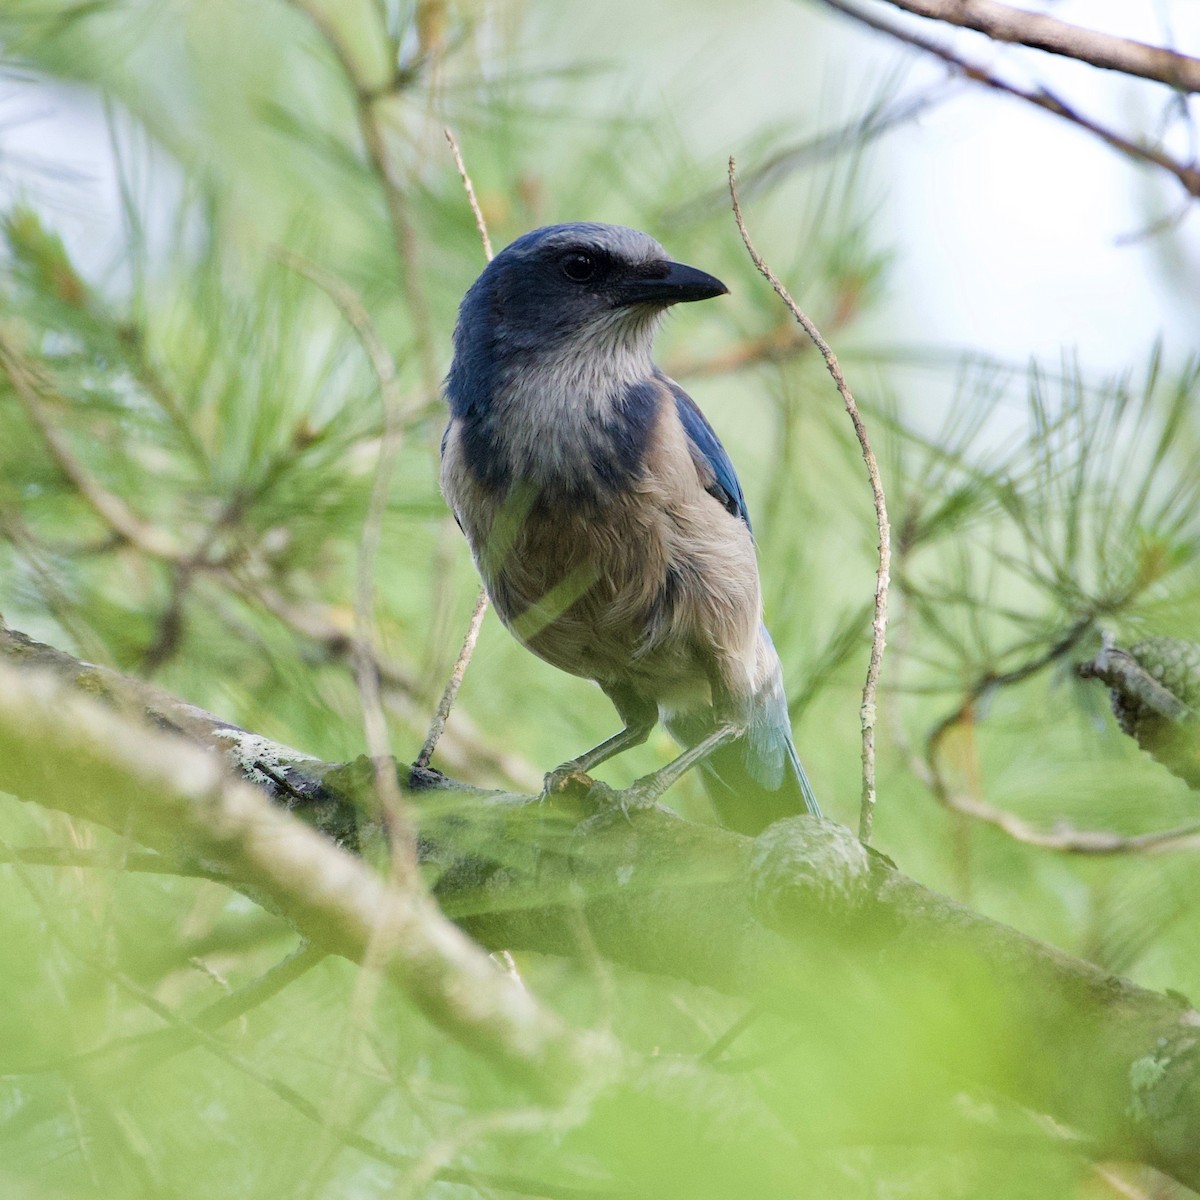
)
(606, 518)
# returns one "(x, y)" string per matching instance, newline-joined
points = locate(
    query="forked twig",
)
(883, 574)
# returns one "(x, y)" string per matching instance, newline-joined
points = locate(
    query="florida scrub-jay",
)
(605, 516)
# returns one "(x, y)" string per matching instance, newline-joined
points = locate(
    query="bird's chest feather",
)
(570, 568)
(648, 580)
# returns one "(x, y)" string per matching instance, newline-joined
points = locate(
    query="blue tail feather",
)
(758, 779)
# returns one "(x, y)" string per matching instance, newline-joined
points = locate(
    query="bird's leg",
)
(645, 792)
(576, 770)
(731, 712)
(639, 716)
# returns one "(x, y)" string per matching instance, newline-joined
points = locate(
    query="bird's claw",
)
(567, 780)
(612, 802)
(570, 782)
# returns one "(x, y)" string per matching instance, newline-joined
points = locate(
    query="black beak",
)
(668, 283)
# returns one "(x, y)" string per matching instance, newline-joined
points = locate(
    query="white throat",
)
(556, 403)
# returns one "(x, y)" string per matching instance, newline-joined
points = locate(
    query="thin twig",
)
(400, 825)
(438, 724)
(882, 577)
(1187, 174)
(472, 199)
(1064, 838)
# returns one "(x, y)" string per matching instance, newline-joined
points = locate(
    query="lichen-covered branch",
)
(1155, 691)
(63, 749)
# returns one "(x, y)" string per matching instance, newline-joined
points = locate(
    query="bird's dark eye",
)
(578, 267)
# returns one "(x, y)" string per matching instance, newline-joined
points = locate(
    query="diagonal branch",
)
(1003, 23)
(29, 387)
(1187, 174)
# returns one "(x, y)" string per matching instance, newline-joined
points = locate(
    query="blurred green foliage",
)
(187, 369)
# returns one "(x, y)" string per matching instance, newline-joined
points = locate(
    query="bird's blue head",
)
(560, 288)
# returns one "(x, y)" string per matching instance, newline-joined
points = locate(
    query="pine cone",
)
(1155, 690)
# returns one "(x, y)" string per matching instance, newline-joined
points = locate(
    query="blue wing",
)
(713, 463)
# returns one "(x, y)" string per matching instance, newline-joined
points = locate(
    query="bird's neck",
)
(572, 422)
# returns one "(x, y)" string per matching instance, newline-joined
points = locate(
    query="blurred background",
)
(205, 204)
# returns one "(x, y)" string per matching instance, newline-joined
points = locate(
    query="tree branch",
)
(62, 748)
(1187, 174)
(794, 921)
(1003, 23)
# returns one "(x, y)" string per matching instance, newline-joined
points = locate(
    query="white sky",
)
(1012, 221)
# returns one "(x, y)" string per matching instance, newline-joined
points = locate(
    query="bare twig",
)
(472, 199)
(1187, 174)
(879, 621)
(1062, 837)
(438, 724)
(1003, 23)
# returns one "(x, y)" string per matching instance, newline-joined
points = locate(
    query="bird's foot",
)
(604, 801)
(620, 802)
(567, 780)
